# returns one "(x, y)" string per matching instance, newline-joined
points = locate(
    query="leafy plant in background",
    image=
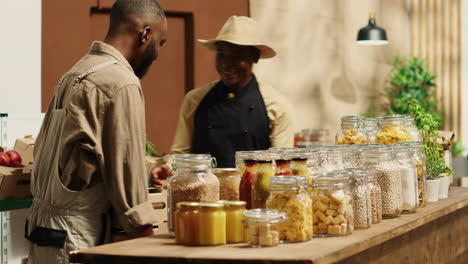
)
(410, 79)
(428, 126)
(457, 149)
(370, 113)
(150, 149)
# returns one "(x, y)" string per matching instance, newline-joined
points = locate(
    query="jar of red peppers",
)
(247, 181)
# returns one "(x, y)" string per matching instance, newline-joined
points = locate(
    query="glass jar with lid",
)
(229, 182)
(261, 185)
(419, 158)
(288, 195)
(234, 221)
(247, 181)
(371, 126)
(192, 181)
(283, 167)
(388, 176)
(211, 224)
(320, 135)
(262, 226)
(249, 154)
(304, 161)
(333, 159)
(186, 223)
(412, 128)
(409, 177)
(352, 131)
(332, 204)
(392, 129)
(376, 195)
(362, 207)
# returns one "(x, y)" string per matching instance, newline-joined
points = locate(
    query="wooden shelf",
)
(406, 238)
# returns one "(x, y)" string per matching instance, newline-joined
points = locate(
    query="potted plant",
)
(435, 165)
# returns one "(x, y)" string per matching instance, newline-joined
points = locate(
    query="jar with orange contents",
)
(186, 223)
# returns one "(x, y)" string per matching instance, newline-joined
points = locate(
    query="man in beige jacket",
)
(90, 152)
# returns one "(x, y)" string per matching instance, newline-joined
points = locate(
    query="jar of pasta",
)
(393, 129)
(262, 226)
(412, 128)
(332, 204)
(371, 126)
(352, 131)
(229, 182)
(261, 185)
(288, 195)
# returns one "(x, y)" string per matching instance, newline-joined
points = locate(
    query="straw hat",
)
(240, 30)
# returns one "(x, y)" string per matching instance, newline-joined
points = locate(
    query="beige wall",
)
(319, 66)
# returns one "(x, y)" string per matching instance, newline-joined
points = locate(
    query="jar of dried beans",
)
(361, 199)
(376, 195)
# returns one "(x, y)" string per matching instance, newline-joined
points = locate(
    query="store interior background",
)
(319, 67)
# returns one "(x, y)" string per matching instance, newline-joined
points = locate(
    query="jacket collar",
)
(101, 47)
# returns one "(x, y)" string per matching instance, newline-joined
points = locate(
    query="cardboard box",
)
(159, 201)
(16, 182)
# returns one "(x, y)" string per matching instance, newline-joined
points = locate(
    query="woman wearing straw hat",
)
(237, 112)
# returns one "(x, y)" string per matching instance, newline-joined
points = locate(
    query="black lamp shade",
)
(372, 34)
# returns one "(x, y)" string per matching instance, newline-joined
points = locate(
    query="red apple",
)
(16, 164)
(4, 159)
(14, 156)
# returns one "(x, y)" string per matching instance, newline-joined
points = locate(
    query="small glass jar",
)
(192, 181)
(409, 178)
(388, 175)
(288, 195)
(361, 199)
(261, 186)
(332, 204)
(247, 181)
(392, 130)
(186, 223)
(371, 126)
(352, 131)
(211, 224)
(283, 167)
(262, 226)
(376, 195)
(229, 182)
(234, 221)
(320, 135)
(412, 128)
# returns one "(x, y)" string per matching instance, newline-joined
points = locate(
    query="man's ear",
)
(145, 35)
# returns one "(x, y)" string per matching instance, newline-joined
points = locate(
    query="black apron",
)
(225, 125)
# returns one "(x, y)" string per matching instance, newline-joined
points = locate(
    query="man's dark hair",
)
(125, 14)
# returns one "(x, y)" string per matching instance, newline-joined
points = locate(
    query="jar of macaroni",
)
(352, 131)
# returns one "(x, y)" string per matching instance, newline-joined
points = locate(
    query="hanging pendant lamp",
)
(372, 34)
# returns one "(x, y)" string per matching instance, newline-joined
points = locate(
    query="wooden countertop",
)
(161, 249)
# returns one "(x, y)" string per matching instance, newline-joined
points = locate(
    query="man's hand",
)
(159, 176)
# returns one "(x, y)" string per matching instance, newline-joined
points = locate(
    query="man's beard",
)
(148, 58)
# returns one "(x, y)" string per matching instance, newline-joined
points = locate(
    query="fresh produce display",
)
(11, 158)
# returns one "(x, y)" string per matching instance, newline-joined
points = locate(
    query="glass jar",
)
(334, 159)
(332, 204)
(229, 182)
(192, 181)
(211, 224)
(299, 167)
(186, 223)
(371, 126)
(312, 161)
(283, 167)
(352, 131)
(320, 135)
(288, 195)
(234, 221)
(392, 129)
(247, 181)
(261, 186)
(262, 226)
(361, 199)
(409, 178)
(388, 176)
(419, 158)
(376, 195)
(243, 155)
(412, 128)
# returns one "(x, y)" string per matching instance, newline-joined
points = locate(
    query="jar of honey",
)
(186, 223)
(234, 221)
(211, 224)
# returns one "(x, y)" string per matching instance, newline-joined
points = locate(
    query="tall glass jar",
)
(247, 181)
(352, 131)
(243, 155)
(376, 195)
(413, 129)
(371, 126)
(229, 180)
(186, 223)
(332, 204)
(409, 177)
(262, 227)
(388, 175)
(192, 181)
(392, 130)
(261, 186)
(419, 158)
(361, 199)
(299, 167)
(211, 224)
(288, 195)
(312, 159)
(283, 167)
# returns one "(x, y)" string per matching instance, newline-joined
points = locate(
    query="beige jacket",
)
(278, 111)
(104, 136)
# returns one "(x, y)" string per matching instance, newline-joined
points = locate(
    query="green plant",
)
(410, 79)
(150, 150)
(370, 113)
(425, 122)
(457, 148)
